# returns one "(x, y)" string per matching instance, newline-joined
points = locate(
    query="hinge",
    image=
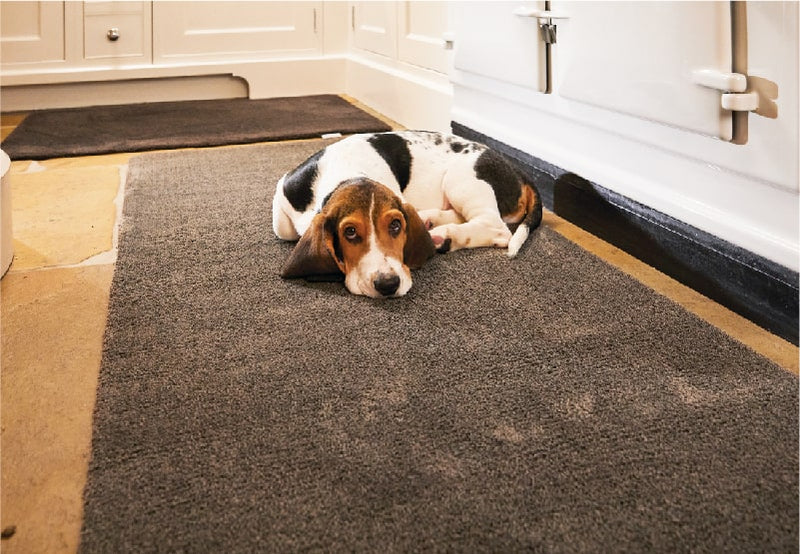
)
(733, 85)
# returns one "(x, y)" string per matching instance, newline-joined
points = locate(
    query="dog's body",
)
(466, 194)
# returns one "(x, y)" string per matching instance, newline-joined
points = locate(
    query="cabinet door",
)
(492, 41)
(32, 32)
(638, 58)
(244, 30)
(374, 27)
(422, 26)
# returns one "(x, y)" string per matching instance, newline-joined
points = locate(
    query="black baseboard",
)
(760, 290)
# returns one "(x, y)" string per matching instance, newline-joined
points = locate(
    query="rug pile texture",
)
(546, 403)
(166, 125)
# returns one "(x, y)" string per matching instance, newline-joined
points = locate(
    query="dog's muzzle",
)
(387, 283)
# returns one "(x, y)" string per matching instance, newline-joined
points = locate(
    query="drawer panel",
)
(130, 30)
(133, 23)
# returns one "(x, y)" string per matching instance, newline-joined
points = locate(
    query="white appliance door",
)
(494, 42)
(638, 58)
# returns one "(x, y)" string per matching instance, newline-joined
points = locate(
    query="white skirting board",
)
(260, 79)
(407, 97)
(750, 213)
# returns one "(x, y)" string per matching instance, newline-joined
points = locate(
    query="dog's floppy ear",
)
(419, 245)
(313, 254)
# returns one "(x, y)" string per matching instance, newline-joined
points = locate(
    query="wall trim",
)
(24, 91)
(415, 98)
(759, 289)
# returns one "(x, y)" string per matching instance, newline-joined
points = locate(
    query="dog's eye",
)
(395, 227)
(350, 232)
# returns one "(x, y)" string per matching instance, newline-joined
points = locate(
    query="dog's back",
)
(420, 167)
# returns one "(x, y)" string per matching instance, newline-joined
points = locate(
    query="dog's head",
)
(367, 233)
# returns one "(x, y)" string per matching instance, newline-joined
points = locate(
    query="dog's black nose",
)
(387, 283)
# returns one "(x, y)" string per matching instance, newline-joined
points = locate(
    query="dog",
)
(373, 206)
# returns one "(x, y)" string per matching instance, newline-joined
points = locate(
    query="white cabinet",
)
(639, 58)
(374, 27)
(235, 30)
(422, 28)
(32, 33)
(399, 61)
(494, 42)
(628, 110)
(280, 48)
(38, 37)
(119, 34)
(409, 32)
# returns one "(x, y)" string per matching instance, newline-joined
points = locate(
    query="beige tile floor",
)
(52, 318)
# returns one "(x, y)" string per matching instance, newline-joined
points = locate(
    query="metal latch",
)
(545, 17)
(522, 11)
(733, 86)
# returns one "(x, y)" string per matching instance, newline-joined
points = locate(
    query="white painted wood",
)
(421, 30)
(753, 215)
(133, 22)
(638, 58)
(234, 30)
(746, 194)
(265, 79)
(395, 65)
(31, 33)
(128, 91)
(491, 41)
(374, 27)
(416, 100)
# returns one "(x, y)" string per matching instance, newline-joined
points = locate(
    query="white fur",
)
(441, 181)
(517, 240)
(443, 187)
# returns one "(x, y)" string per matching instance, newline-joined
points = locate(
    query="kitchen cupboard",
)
(639, 104)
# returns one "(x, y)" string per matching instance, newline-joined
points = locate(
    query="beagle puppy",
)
(374, 206)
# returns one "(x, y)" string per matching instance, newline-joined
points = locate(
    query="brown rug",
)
(548, 403)
(164, 125)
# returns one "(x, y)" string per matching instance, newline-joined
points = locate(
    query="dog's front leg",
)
(435, 217)
(471, 234)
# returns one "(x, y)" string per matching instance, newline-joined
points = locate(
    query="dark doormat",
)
(547, 403)
(163, 125)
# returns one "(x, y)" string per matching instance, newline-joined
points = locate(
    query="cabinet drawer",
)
(130, 30)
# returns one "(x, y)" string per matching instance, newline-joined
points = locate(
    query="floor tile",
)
(62, 216)
(52, 335)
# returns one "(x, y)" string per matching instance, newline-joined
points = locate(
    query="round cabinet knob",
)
(113, 34)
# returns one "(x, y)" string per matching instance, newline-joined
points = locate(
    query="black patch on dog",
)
(457, 146)
(297, 188)
(493, 168)
(444, 248)
(394, 151)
